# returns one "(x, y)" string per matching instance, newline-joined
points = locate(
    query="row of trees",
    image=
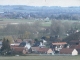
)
(57, 28)
(42, 15)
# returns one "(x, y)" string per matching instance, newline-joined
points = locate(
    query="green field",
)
(22, 21)
(41, 58)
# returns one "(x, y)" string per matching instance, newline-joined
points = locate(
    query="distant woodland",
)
(35, 12)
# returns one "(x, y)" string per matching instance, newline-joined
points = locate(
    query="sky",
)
(63, 3)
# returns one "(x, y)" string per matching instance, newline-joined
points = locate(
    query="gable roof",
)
(50, 51)
(59, 43)
(66, 51)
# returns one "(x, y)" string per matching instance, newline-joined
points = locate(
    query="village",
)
(29, 46)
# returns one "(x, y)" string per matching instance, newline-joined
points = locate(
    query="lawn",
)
(40, 58)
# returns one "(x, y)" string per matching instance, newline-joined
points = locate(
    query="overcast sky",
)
(41, 2)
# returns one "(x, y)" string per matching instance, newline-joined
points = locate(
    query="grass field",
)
(40, 58)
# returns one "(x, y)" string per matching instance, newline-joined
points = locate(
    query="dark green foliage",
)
(74, 36)
(5, 49)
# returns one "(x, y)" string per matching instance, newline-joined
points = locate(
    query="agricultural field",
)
(23, 21)
(40, 58)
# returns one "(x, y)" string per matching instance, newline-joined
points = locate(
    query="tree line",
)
(57, 28)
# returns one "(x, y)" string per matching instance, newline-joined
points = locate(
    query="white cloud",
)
(41, 2)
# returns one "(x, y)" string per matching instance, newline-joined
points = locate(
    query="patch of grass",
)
(40, 58)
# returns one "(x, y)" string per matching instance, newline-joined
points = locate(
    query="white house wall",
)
(74, 52)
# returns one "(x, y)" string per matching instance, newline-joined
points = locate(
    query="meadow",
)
(40, 58)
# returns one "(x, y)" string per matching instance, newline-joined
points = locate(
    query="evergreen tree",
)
(5, 46)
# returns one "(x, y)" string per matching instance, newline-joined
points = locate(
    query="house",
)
(17, 41)
(35, 49)
(29, 41)
(77, 47)
(22, 48)
(15, 44)
(46, 51)
(42, 44)
(50, 51)
(25, 44)
(19, 50)
(69, 51)
(57, 46)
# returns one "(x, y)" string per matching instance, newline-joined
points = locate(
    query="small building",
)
(46, 51)
(35, 49)
(15, 44)
(68, 51)
(50, 51)
(17, 41)
(77, 47)
(29, 41)
(19, 50)
(58, 45)
(25, 44)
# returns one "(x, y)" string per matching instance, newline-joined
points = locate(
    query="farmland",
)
(40, 58)
(23, 21)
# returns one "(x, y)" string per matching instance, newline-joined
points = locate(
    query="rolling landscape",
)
(39, 32)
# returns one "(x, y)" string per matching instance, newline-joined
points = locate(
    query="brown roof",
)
(18, 41)
(66, 51)
(35, 48)
(14, 44)
(32, 41)
(59, 43)
(72, 46)
(75, 46)
(75, 41)
(20, 49)
(43, 49)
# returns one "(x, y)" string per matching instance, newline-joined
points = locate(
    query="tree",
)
(9, 38)
(57, 28)
(5, 49)
(26, 35)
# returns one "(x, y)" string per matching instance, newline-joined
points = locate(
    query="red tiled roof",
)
(59, 43)
(66, 51)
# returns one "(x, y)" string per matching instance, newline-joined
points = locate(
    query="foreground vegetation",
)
(40, 58)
